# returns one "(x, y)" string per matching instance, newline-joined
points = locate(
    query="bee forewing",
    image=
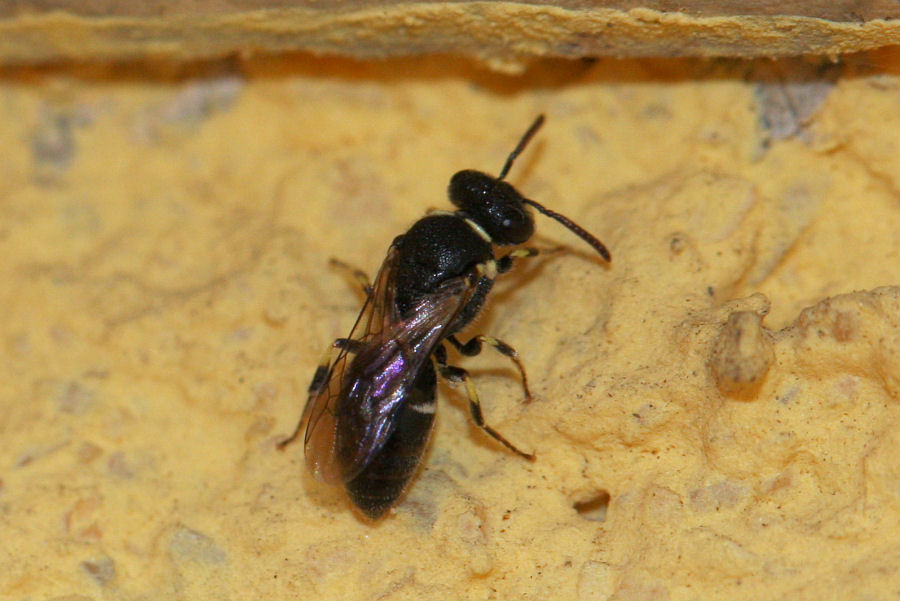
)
(352, 416)
(320, 450)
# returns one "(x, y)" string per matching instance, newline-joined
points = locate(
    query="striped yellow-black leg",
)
(473, 348)
(458, 374)
(320, 378)
(505, 262)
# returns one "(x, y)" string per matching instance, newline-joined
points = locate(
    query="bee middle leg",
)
(453, 373)
(358, 274)
(473, 348)
(320, 378)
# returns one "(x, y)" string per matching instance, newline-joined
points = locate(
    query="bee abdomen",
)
(382, 482)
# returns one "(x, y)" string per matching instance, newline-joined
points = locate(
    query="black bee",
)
(371, 409)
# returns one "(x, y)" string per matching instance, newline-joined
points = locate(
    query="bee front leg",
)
(457, 374)
(505, 262)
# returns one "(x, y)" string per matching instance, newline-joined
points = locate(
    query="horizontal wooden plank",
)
(499, 33)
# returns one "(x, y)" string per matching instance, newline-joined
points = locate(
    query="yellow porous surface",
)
(716, 410)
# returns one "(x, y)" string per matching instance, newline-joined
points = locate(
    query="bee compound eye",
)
(511, 222)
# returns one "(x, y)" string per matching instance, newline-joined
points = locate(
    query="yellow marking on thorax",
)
(479, 230)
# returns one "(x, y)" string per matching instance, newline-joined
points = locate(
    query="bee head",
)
(493, 204)
(499, 209)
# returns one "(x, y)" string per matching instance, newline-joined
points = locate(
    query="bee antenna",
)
(521, 145)
(573, 227)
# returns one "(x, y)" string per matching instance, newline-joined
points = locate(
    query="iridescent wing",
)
(353, 413)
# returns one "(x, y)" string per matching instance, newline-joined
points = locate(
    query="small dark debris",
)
(103, 570)
(594, 509)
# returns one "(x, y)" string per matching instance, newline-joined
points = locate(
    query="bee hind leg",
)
(456, 374)
(320, 378)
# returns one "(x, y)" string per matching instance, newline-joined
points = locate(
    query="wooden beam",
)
(44, 31)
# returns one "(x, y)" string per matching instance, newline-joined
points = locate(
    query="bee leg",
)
(457, 374)
(358, 274)
(473, 348)
(320, 378)
(505, 262)
(281, 444)
(321, 375)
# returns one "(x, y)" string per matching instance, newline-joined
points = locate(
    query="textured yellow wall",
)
(165, 297)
